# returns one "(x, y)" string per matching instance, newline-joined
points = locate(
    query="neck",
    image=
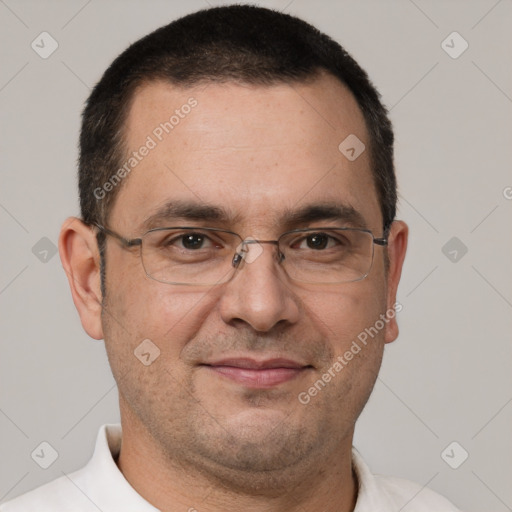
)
(171, 484)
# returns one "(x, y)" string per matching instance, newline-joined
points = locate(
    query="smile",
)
(254, 374)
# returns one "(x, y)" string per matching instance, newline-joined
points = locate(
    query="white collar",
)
(102, 481)
(105, 486)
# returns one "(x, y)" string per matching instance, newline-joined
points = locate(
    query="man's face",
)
(256, 153)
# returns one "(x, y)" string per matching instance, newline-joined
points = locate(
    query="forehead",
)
(256, 151)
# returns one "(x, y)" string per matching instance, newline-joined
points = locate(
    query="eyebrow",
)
(186, 210)
(194, 211)
(343, 213)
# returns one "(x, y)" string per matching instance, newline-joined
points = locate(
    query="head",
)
(241, 111)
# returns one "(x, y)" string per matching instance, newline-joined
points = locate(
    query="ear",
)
(397, 247)
(80, 258)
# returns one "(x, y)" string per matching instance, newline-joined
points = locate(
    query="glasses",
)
(208, 256)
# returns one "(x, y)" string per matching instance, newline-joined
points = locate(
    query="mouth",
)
(258, 374)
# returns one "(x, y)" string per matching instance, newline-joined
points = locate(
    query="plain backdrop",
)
(448, 376)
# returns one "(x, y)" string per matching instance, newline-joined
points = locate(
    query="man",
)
(237, 241)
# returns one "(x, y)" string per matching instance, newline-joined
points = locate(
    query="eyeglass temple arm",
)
(380, 241)
(125, 241)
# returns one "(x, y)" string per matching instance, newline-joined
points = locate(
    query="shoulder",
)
(411, 497)
(83, 490)
(389, 494)
(54, 496)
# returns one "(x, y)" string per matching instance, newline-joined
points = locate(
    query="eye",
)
(190, 241)
(317, 242)
(193, 240)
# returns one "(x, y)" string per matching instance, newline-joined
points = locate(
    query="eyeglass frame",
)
(238, 258)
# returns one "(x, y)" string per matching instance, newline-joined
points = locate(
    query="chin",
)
(261, 440)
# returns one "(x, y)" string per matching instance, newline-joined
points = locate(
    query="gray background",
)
(446, 379)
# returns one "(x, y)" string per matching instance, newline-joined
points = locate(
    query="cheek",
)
(342, 313)
(345, 316)
(141, 308)
(169, 319)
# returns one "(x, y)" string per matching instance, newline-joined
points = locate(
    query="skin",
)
(191, 437)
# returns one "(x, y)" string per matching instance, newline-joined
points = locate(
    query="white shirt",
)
(100, 486)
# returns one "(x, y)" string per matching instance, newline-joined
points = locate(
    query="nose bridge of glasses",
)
(249, 249)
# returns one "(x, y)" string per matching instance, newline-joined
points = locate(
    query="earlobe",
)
(80, 259)
(397, 247)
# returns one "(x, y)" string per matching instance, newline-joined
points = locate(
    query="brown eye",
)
(192, 241)
(317, 241)
(189, 241)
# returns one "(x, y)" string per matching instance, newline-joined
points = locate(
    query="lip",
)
(253, 364)
(258, 374)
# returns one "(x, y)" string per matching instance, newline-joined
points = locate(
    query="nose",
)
(259, 293)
